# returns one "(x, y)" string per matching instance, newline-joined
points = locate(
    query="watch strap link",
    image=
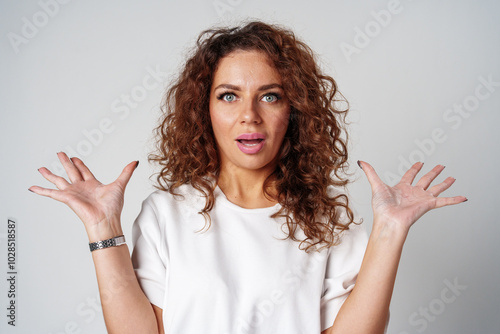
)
(116, 241)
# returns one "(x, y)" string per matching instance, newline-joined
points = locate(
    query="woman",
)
(248, 232)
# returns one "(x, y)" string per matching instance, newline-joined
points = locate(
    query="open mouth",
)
(250, 142)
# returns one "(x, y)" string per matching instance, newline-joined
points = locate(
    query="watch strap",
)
(116, 241)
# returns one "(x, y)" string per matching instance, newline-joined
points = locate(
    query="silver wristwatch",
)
(116, 241)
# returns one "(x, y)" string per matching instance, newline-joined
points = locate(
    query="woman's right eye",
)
(228, 97)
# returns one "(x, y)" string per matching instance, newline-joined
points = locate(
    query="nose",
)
(250, 113)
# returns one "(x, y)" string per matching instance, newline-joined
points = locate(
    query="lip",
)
(251, 149)
(250, 136)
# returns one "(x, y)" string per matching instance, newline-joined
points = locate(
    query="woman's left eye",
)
(270, 98)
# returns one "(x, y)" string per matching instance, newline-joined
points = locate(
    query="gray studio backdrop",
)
(86, 77)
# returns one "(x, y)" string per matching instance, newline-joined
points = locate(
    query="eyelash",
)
(221, 95)
(276, 95)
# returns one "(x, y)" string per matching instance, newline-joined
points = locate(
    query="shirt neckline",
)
(221, 197)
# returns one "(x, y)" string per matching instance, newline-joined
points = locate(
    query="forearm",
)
(125, 307)
(367, 307)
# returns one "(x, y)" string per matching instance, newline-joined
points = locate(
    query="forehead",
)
(246, 67)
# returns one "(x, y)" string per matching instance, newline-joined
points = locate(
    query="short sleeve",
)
(342, 270)
(148, 256)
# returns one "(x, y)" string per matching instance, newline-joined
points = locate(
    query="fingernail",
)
(466, 200)
(137, 165)
(359, 164)
(30, 190)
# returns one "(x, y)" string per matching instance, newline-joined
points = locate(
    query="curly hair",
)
(313, 155)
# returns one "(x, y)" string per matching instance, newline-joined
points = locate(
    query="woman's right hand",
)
(99, 206)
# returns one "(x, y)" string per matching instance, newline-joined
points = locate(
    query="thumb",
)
(371, 175)
(126, 174)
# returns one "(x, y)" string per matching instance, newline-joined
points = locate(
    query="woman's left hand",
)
(404, 203)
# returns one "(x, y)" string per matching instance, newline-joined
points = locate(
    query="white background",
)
(69, 72)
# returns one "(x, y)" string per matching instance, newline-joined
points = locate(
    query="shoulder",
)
(351, 244)
(166, 210)
(355, 233)
(184, 196)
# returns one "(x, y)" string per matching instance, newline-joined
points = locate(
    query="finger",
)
(52, 193)
(444, 201)
(127, 174)
(410, 174)
(59, 182)
(73, 172)
(84, 170)
(370, 173)
(439, 188)
(427, 179)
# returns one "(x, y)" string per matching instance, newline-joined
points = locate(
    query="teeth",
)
(250, 142)
(245, 142)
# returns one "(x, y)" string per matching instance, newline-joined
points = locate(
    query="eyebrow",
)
(261, 88)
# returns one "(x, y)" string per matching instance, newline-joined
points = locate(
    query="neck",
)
(245, 188)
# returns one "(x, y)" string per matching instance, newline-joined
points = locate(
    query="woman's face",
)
(249, 111)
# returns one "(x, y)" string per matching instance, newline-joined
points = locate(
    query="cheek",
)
(282, 122)
(220, 124)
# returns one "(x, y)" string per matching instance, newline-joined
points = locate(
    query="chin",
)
(257, 165)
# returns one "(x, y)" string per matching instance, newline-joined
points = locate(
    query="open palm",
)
(405, 203)
(92, 201)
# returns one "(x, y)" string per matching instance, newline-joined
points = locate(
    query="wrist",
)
(104, 229)
(389, 229)
(112, 242)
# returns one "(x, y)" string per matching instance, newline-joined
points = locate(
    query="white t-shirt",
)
(239, 276)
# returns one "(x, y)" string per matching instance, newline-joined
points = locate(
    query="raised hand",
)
(99, 206)
(404, 203)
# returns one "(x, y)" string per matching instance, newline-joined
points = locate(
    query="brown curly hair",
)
(313, 155)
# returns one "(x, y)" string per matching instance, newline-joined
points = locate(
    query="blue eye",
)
(270, 98)
(228, 97)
